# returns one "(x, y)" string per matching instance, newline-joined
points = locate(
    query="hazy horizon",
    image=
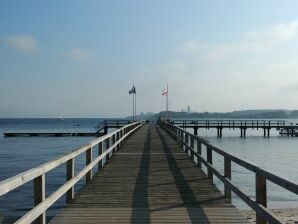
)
(81, 59)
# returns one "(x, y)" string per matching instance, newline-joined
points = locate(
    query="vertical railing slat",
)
(209, 160)
(192, 145)
(261, 196)
(199, 151)
(100, 151)
(228, 174)
(69, 175)
(39, 196)
(89, 160)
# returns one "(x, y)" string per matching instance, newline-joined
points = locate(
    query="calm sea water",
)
(22, 153)
(277, 154)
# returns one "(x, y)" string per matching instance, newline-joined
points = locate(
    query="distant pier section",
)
(284, 127)
(100, 129)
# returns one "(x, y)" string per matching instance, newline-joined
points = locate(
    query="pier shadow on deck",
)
(149, 180)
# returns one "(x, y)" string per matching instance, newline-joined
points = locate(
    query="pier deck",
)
(149, 180)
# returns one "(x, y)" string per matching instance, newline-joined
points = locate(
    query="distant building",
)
(188, 109)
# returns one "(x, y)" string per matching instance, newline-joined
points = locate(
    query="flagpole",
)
(167, 101)
(135, 104)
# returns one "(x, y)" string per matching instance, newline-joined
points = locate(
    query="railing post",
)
(88, 160)
(192, 145)
(209, 160)
(113, 142)
(181, 139)
(122, 134)
(69, 175)
(186, 141)
(107, 147)
(39, 196)
(100, 151)
(199, 151)
(228, 175)
(117, 139)
(261, 195)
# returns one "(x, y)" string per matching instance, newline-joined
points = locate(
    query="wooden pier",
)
(51, 134)
(147, 174)
(242, 125)
(150, 180)
(100, 130)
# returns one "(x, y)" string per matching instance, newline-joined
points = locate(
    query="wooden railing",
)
(187, 143)
(231, 123)
(107, 145)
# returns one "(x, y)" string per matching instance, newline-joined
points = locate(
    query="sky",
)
(80, 58)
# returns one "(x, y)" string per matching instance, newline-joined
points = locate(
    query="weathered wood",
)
(107, 143)
(100, 151)
(261, 196)
(261, 210)
(88, 161)
(113, 142)
(199, 151)
(69, 175)
(228, 174)
(38, 212)
(150, 180)
(117, 138)
(192, 145)
(24, 177)
(210, 161)
(51, 134)
(39, 197)
(186, 143)
(50, 200)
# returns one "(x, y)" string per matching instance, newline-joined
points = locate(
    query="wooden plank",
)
(228, 174)
(210, 161)
(282, 182)
(150, 180)
(261, 196)
(24, 177)
(39, 197)
(100, 151)
(88, 161)
(69, 175)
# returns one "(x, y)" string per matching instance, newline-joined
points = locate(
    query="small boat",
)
(288, 132)
(60, 118)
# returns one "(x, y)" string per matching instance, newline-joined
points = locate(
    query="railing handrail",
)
(282, 182)
(260, 209)
(42, 203)
(230, 122)
(18, 180)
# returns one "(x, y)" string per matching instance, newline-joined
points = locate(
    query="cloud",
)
(251, 43)
(80, 54)
(256, 42)
(254, 71)
(22, 43)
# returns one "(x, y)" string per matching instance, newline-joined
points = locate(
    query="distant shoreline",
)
(244, 114)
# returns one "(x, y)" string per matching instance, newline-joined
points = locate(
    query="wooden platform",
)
(149, 180)
(50, 134)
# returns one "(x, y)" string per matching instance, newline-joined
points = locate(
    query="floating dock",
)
(50, 134)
